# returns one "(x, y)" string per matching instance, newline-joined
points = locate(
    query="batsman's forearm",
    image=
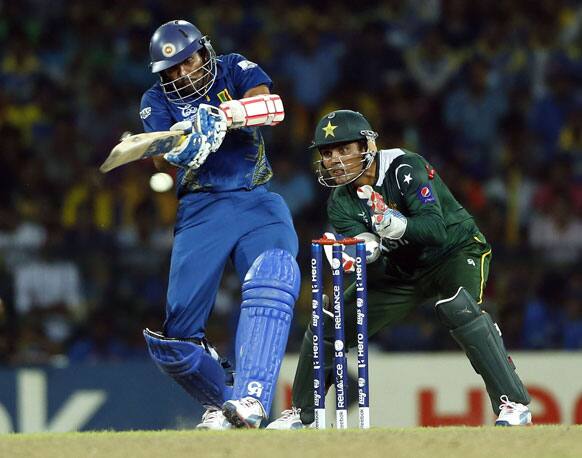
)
(259, 110)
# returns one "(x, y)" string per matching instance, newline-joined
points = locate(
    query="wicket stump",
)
(339, 344)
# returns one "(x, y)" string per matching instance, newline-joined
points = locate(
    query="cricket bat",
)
(140, 146)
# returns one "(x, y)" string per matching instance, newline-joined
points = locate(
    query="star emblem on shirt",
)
(329, 129)
(407, 178)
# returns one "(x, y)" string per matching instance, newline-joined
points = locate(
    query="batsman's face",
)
(342, 161)
(188, 74)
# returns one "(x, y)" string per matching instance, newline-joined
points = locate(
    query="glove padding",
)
(349, 262)
(211, 121)
(372, 246)
(203, 136)
(388, 223)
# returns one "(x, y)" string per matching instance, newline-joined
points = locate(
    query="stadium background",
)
(490, 92)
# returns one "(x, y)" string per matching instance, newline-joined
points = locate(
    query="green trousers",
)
(389, 301)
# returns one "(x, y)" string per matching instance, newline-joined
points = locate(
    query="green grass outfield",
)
(450, 442)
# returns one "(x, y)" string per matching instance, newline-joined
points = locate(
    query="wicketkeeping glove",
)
(348, 262)
(372, 246)
(388, 223)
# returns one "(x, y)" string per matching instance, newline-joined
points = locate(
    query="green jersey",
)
(436, 223)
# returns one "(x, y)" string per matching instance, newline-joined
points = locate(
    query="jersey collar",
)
(385, 158)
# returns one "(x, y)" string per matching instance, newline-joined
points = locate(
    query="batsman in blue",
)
(225, 213)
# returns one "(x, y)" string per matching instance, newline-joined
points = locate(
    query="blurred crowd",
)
(489, 92)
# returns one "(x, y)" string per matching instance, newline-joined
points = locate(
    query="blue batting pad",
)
(189, 364)
(269, 293)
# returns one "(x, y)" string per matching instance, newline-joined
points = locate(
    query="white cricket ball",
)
(161, 182)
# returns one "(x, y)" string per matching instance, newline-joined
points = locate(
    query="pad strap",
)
(194, 364)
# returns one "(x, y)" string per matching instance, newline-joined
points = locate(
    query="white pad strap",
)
(259, 110)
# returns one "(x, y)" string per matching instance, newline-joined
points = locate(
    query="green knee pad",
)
(480, 338)
(303, 382)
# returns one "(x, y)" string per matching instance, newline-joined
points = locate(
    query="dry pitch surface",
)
(451, 442)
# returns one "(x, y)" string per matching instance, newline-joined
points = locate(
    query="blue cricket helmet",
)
(172, 43)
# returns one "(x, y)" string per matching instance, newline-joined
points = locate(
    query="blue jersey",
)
(240, 162)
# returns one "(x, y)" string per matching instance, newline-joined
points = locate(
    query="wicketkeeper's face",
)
(343, 161)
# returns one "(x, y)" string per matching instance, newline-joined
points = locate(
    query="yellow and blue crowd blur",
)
(491, 94)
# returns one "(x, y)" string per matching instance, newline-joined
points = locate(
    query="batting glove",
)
(203, 136)
(211, 121)
(388, 223)
(190, 153)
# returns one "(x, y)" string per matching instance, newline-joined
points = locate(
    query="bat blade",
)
(140, 146)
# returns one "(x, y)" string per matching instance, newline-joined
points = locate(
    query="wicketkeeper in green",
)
(422, 246)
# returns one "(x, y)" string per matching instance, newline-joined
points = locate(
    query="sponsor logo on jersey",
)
(246, 65)
(143, 114)
(424, 193)
(188, 110)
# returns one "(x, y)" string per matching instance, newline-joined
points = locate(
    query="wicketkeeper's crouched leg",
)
(303, 382)
(386, 304)
(480, 338)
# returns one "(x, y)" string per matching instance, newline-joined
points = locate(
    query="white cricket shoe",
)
(289, 419)
(214, 419)
(513, 413)
(244, 413)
